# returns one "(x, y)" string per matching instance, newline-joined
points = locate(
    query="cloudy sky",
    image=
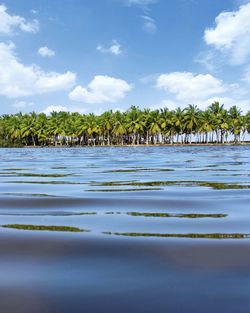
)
(95, 55)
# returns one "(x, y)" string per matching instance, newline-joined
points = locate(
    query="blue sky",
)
(95, 55)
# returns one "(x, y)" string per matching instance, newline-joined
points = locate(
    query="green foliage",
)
(133, 127)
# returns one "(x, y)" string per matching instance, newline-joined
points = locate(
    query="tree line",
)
(133, 127)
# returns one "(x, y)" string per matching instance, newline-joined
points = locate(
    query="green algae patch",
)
(136, 170)
(42, 175)
(85, 213)
(220, 186)
(57, 214)
(187, 183)
(19, 194)
(134, 183)
(123, 190)
(45, 228)
(188, 215)
(190, 235)
(43, 182)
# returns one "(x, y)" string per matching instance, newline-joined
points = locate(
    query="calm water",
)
(164, 229)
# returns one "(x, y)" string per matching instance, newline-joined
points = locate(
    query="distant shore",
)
(141, 145)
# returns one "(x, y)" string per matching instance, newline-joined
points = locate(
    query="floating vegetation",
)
(191, 235)
(42, 175)
(188, 215)
(219, 186)
(12, 169)
(45, 228)
(57, 214)
(212, 170)
(123, 190)
(20, 194)
(43, 182)
(84, 213)
(132, 183)
(8, 174)
(188, 183)
(135, 170)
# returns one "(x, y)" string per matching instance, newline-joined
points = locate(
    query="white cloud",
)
(208, 59)
(115, 48)
(55, 108)
(189, 87)
(101, 89)
(22, 104)
(8, 23)
(149, 24)
(231, 35)
(185, 88)
(45, 52)
(246, 76)
(170, 104)
(17, 79)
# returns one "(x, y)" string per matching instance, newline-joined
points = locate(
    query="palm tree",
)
(217, 111)
(146, 116)
(92, 128)
(206, 124)
(155, 125)
(178, 120)
(119, 129)
(168, 124)
(42, 128)
(191, 120)
(236, 122)
(135, 123)
(55, 127)
(107, 124)
(29, 127)
(14, 126)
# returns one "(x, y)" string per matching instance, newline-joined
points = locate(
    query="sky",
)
(97, 55)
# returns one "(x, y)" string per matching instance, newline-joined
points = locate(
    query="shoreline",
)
(135, 146)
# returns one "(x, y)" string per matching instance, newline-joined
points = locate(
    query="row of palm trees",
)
(133, 127)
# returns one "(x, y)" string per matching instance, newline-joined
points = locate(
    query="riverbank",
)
(247, 143)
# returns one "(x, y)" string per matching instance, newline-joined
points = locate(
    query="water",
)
(135, 229)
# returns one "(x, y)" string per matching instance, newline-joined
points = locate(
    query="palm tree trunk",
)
(33, 140)
(190, 137)
(108, 139)
(178, 135)
(147, 138)
(133, 139)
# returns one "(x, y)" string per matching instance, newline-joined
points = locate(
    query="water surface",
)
(139, 229)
